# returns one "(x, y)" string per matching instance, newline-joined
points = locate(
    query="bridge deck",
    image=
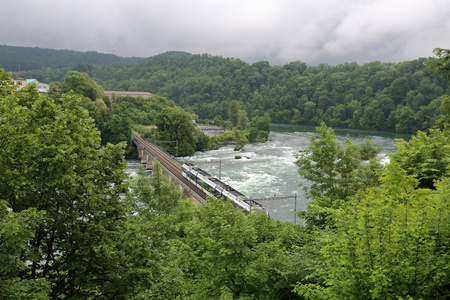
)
(171, 166)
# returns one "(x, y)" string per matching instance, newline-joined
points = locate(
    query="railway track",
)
(171, 166)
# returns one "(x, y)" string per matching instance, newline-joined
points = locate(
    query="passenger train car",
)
(217, 189)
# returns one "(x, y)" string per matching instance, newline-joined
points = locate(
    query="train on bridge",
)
(216, 188)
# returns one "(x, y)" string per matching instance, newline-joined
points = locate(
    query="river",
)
(268, 169)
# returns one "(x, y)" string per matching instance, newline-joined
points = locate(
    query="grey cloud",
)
(322, 31)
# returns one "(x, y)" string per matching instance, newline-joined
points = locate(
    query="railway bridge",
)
(192, 180)
(148, 152)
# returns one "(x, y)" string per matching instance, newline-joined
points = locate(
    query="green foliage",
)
(445, 108)
(230, 255)
(155, 195)
(218, 121)
(220, 140)
(140, 111)
(335, 173)
(441, 65)
(208, 85)
(202, 140)
(331, 167)
(426, 156)
(240, 138)
(51, 160)
(233, 113)
(260, 128)
(390, 242)
(16, 229)
(242, 119)
(80, 83)
(174, 127)
(6, 84)
(156, 204)
(369, 150)
(114, 124)
(345, 95)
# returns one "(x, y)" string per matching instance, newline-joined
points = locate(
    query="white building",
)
(42, 87)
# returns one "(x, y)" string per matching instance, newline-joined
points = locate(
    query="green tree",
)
(155, 194)
(231, 255)
(441, 65)
(242, 119)
(369, 150)
(445, 107)
(331, 167)
(260, 128)
(241, 139)
(202, 140)
(157, 209)
(80, 83)
(16, 229)
(398, 89)
(174, 127)
(332, 171)
(51, 160)
(442, 68)
(218, 121)
(233, 112)
(403, 119)
(373, 117)
(426, 156)
(390, 242)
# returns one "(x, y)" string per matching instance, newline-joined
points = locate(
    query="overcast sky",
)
(278, 31)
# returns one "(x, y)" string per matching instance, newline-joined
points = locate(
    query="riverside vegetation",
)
(398, 97)
(74, 226)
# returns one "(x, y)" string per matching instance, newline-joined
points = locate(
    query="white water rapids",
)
(268, 169)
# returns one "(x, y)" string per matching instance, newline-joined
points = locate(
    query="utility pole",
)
(280, 198)
(211, 162)
(295, 208)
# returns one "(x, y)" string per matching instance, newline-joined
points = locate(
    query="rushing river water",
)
(268, 169)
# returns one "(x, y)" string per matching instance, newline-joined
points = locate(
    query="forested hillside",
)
(400, 97)
(14, 58)
(74, 225)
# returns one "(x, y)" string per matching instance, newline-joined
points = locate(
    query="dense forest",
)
(74, 225)
(400, 97)
(16, 59)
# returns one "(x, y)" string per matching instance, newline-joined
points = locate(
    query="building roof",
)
(127, 93)
(15, 77)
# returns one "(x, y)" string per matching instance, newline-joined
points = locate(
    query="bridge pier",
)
(140, 153)
(144, 157)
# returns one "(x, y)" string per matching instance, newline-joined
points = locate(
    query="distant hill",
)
(15, 59)
(399, 97)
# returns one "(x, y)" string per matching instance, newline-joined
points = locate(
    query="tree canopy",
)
(74, 225)
(374, 96)
(52, 166)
